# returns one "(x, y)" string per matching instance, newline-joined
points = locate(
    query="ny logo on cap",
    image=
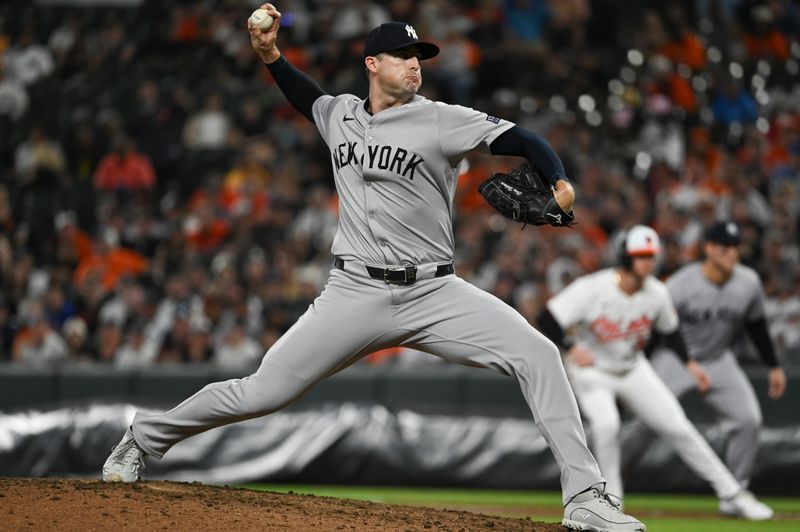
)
(732, 229)
(411, 32)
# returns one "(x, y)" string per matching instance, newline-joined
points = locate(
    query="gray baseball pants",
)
(731, 396)
(356, 315)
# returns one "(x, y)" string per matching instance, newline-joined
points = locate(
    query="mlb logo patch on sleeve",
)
(493, 119)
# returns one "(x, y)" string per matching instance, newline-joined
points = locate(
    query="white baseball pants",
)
(731, 396)
(356, 315)
(649, 399)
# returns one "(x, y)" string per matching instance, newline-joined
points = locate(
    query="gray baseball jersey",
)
(396, 175)
(712, 315)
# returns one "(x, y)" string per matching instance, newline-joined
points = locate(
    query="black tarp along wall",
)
(355, 444)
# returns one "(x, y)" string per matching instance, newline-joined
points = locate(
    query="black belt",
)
(402, 275)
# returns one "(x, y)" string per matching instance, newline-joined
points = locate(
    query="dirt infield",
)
(78, 505)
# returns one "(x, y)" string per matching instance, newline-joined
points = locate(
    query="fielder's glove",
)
(525, 196)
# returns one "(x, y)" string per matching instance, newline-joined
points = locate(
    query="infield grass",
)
(662, 513)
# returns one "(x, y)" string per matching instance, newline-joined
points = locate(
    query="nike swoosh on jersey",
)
(348, 118)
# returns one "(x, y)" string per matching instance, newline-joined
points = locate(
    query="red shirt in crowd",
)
(131, 171)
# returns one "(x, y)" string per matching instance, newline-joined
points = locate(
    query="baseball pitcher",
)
(613, 312)
(395, 158)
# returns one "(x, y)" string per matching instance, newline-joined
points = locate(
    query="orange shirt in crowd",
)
(689, 50)
(208, 237)
(771, 45)
(678, 90)
(132, 172)
(111, 267)
(82, 243)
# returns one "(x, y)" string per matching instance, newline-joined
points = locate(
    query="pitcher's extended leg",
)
(343, 324)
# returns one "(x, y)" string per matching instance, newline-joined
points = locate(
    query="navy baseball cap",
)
(723, 233)
(393, 36)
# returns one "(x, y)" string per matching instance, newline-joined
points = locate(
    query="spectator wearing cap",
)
(237, 350)
(176, 343)
(38, 344)
(57, 307)
(76, 335)
(177, 296)
(109, 339)
(138, 350)
(198, 345)
(72, 243)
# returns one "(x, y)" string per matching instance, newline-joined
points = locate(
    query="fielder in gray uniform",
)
(716, 299)
(395, 159)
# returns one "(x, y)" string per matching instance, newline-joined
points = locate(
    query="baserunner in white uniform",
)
(613, 312)
(717, 299)
(395, 159)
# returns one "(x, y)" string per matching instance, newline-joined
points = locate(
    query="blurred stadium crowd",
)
(161, 202)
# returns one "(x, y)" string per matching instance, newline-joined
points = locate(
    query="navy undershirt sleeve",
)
(523, 143)
(759, 333)
(550, 327)
(675, 343)
(300, 90)
(672, 341)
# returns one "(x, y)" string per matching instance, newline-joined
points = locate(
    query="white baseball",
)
(261, 19)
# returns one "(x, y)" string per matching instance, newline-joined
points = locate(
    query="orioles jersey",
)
(613, 325)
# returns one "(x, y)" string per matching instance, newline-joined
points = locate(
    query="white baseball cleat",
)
(596, 511)
(126, 461)
(745, 505)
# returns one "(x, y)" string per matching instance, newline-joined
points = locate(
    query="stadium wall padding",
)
(441, 427)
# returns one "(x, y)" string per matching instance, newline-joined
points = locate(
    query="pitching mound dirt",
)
(79, 505)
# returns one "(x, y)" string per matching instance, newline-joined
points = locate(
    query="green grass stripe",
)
(654, 508)
(717, 525)
(695, 502)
